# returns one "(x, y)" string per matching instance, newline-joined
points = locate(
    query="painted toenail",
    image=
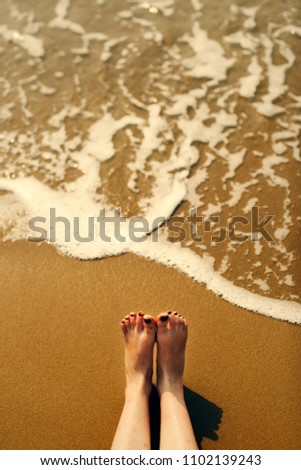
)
(165, 318)
(176, 313)
(147, 320)
(140, 314)
(169, 312)
(132, 315)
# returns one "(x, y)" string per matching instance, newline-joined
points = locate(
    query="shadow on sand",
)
(205, 417)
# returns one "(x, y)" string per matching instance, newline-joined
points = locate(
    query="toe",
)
(127, 322)
(132, 319)
(162, 320)
(139, 320)
(173, 318)
(149, 323)
(175, 315)
(122, 325)
(182, 323)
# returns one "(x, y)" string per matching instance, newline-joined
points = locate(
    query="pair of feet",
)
(169, 331)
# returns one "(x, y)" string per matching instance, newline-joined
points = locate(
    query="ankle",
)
(138, 389)
(170, 386)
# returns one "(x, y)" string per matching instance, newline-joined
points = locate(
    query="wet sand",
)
(61, 354)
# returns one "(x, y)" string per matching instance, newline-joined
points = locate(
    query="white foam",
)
(258, 247)
(237, 191)
(154, 36)
(197, 5)
(7, 88)
(58, 74)
(24, 102)
(279, 148)
(165, 6)
(243, 39)
(64, 23)
(125, 14)
(142, 22)
(262, 284)
(61, 22)
(68, 111)
(46, 90)
(288, 280)
(197, 180)
(267, 169)
(235, 160)
(209, 60)
(276, 74)
(251, 203)
(129, 96)
(61, 8)
(292, 29)
(87, 38)
(100, 144)
(171, 255)
(32, 45)
(249, 84)
(150, 142)
(225, 265)
(184, 101)
(5, 112)
(250, 22)
(109, 45)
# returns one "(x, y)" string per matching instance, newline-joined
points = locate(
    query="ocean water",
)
(162, 109)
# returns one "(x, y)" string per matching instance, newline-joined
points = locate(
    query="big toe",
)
(149, 323)
(163, 320)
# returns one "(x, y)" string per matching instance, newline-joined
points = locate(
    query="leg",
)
(176, 429)
(133, 431)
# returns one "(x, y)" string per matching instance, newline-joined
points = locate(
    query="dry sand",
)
(61, 354)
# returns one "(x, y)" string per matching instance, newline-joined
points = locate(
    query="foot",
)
(172, 330)
(139, 333)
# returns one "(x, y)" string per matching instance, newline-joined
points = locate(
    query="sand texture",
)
(61, 355)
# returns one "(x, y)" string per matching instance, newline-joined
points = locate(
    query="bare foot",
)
(139, 334)
(171, 341)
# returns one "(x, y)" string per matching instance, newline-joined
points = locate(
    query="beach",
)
(183, 117)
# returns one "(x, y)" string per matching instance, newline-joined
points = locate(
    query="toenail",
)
(169, 312)
(140, 314)
(165, 318)
(147, 320)
(132, 314)
(176, 313)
